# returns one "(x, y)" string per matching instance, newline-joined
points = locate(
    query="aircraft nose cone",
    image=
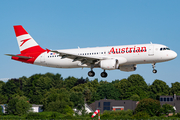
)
(173, 54)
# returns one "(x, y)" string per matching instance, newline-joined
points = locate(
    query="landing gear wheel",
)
(154, 71)
(104, 74)
(91, 73)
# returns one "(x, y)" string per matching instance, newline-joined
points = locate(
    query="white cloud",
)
(4, 79)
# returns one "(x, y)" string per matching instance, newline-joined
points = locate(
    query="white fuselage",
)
(134, 54)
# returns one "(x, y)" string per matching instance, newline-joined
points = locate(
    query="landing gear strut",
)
(104, 74)
(154, 70)
(91, 73)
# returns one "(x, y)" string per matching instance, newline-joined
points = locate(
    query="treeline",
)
(60, 94)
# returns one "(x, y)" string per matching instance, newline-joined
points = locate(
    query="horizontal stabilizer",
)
(24, 57)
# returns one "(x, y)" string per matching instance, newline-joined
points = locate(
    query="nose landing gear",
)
(154, 70)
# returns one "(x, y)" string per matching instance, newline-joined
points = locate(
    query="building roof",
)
(34, 105)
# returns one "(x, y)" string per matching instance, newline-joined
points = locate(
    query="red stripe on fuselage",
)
(33, 52)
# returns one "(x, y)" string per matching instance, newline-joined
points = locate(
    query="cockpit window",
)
(164, 49)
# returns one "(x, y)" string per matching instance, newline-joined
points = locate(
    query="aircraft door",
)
(151, 50)
(42, 58)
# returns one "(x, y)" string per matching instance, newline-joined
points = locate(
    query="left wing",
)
(84, 59)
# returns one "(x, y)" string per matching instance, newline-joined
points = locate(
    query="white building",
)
(34, 108)
(87, 110)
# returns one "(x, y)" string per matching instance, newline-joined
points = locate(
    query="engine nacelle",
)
(108, 64)
(128, 68)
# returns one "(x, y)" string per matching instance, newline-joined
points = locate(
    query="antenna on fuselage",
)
(151, 42)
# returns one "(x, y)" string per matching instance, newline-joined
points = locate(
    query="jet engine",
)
(128, 68)
(108, 64)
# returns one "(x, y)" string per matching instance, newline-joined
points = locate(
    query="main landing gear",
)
(154, 70)
(92, 73)
(104, 74)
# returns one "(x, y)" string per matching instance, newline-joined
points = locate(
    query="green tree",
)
(135, 98)
(138, 85)
(18, 106)
(158, 88)
(68, 110)
(87, 94)
(36, 86)
(175, 89)
(1, 84)
(166, 109)
(11, 87)
(148, 105)
(123, 87)
(3, 99)
(1, 110)
(134, 84)
(70, 82)
(78, 100)
(56, 80)
(56, 100)
(94, 84)
(141, 115)
(108, 91)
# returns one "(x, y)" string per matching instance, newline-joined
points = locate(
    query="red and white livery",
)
(124, 58)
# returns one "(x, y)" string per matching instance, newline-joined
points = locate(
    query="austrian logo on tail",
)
(23, 41)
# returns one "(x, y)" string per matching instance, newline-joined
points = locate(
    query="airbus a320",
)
(124, 57)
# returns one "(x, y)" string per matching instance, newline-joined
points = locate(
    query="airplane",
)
(124, 57)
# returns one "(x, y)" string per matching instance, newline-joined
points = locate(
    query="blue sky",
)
(64, 24)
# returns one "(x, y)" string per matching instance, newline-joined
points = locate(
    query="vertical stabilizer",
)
(26, 43)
